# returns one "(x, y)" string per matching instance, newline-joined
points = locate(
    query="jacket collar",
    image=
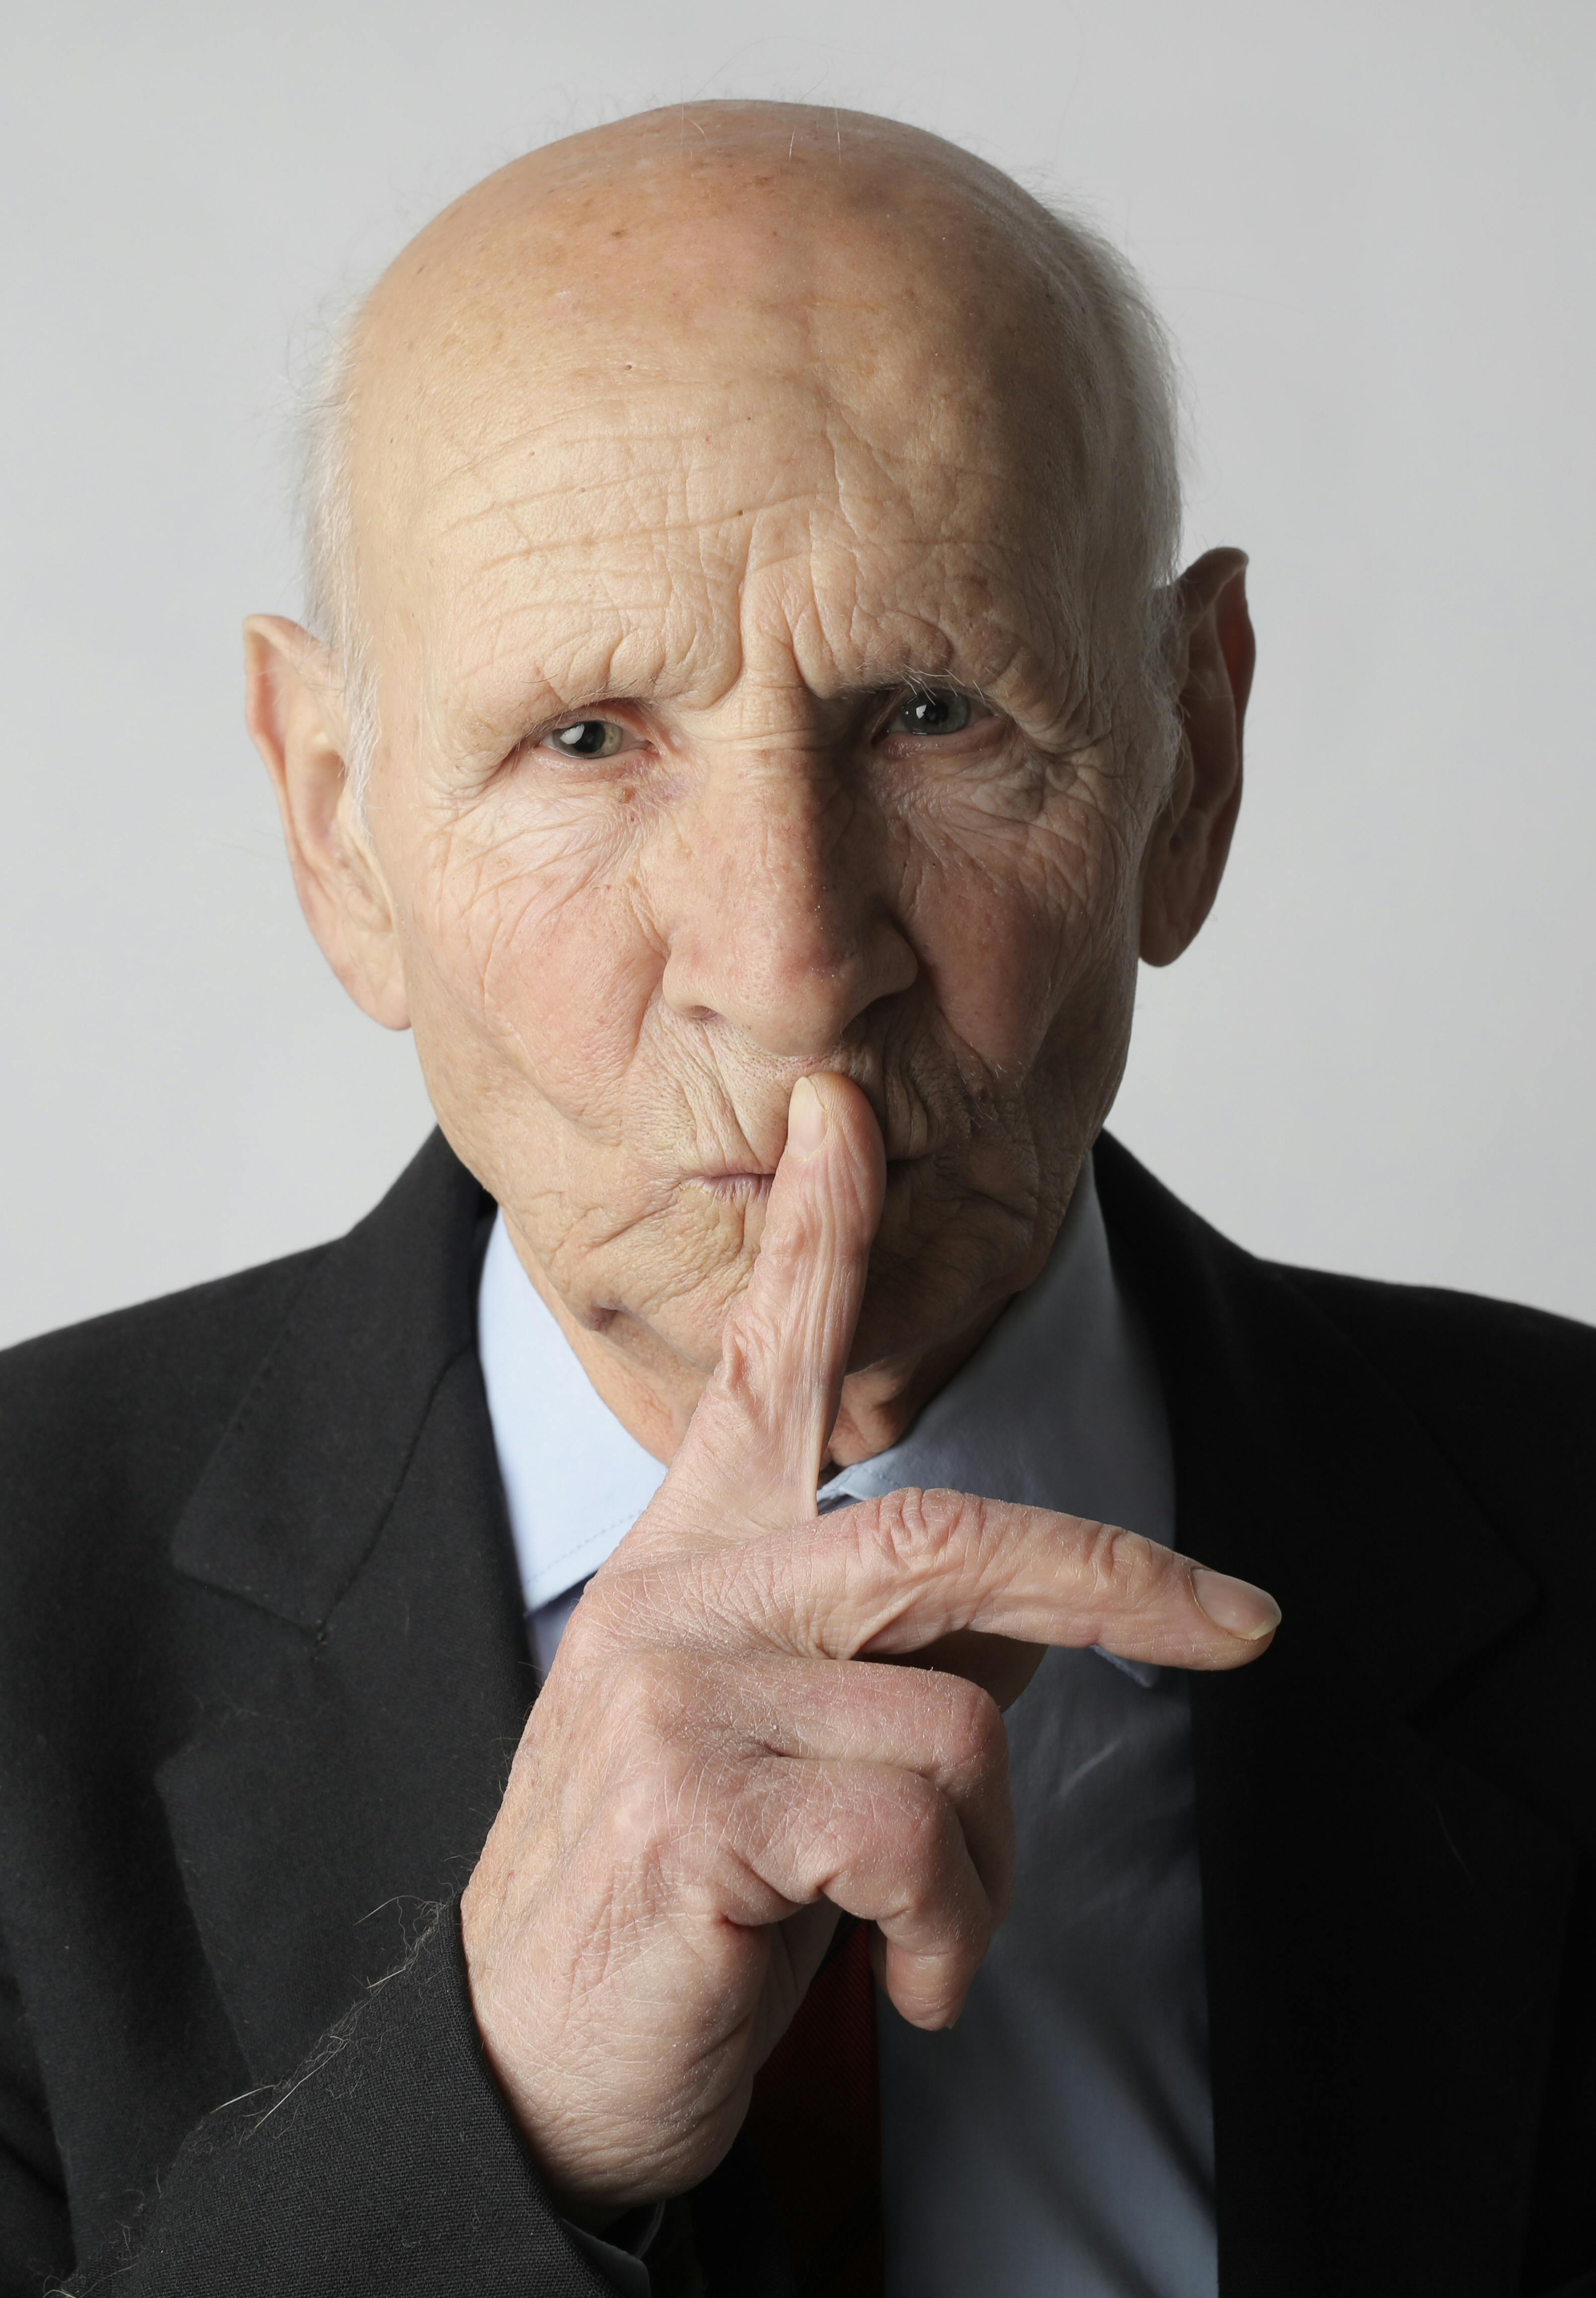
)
(1321, 1482)
(350, 1624)
(297, 1492)
(1383, 1927)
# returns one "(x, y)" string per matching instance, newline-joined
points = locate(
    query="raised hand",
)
(724, 1757)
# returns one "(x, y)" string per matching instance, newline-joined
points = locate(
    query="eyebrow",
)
(523, 660)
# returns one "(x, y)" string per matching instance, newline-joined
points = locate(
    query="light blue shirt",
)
(1058, 2142)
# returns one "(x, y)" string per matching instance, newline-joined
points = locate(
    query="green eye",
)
(932, 710)
(590, 738)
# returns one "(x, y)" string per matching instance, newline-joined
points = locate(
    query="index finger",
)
(752, 1456)
(893, 1576)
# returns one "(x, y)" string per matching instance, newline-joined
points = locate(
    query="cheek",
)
(528, 940)
(1022, 928)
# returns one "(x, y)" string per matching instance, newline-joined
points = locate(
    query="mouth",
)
(749, 1184)
(735, 1188)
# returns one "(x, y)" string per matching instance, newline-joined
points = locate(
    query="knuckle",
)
(607, 1618)
(920, 1529)
(631, 1604)
(922, 1828)
(1122, 1567)
(788, 1242)
(661, 1818)
(647, 1700)
(587, 1633)
(766, 1822)
(736, 1376)
(631, 1853)
(751, 1346)
(978, 1735)
(972, 1922)
(632, 1825)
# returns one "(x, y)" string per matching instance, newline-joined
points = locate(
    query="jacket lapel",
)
(349, 1626)
(1383, 1927)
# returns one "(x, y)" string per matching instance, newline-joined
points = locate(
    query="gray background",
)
(1370, 227)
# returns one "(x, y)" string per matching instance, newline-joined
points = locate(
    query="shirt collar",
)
(575, 1481)
(1059, 1408)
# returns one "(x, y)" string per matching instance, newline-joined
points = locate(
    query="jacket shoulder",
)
(114, 1419)
(1460, 1344)
(1505, 1392)
(1498, 1376)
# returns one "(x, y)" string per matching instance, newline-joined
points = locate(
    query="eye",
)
(588, 737)
(933, 710)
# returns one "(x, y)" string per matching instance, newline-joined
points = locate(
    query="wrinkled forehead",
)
(629, 421)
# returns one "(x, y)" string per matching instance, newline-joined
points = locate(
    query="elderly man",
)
(751, 730)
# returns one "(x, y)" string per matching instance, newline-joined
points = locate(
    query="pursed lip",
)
(742, 1183)
(741, 1186)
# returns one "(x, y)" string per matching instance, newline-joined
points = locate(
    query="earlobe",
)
(292, 708)
(1191, 842)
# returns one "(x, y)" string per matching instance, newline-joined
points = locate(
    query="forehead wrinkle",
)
(896, 466)
(828, 535)
(632, 517)
(845, 639)
(600, 587)
(891, 474)
(654, 407)
(607, 465)
(522, 671)
(956, 598)
(688, 641)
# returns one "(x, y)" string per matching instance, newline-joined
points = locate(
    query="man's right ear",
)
(293, 708)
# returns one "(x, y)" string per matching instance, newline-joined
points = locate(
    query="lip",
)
(745, 1182)
(731, 1182)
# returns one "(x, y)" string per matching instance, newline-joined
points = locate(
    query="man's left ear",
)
(1187, 851)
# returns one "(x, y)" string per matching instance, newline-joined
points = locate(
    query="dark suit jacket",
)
(262, 1667)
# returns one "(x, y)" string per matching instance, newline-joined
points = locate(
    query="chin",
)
(931, 1276)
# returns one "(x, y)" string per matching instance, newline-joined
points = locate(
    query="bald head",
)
(764, 208)
(800, 251)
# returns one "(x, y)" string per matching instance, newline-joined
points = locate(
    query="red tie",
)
(814, 2127)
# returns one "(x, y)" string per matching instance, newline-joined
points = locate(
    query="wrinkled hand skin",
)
(725, 1753)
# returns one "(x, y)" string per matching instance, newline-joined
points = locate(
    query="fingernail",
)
(806, 1120)
(1236, 1606)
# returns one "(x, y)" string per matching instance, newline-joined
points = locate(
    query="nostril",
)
(789, 956)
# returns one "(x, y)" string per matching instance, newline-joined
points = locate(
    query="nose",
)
(778, 916)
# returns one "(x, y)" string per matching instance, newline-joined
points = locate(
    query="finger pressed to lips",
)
(759, 1435)
(896, 1575)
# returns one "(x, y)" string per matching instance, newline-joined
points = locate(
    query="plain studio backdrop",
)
(1369, 228)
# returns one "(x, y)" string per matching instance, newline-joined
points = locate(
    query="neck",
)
(882, 1403)
(653, 1393)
